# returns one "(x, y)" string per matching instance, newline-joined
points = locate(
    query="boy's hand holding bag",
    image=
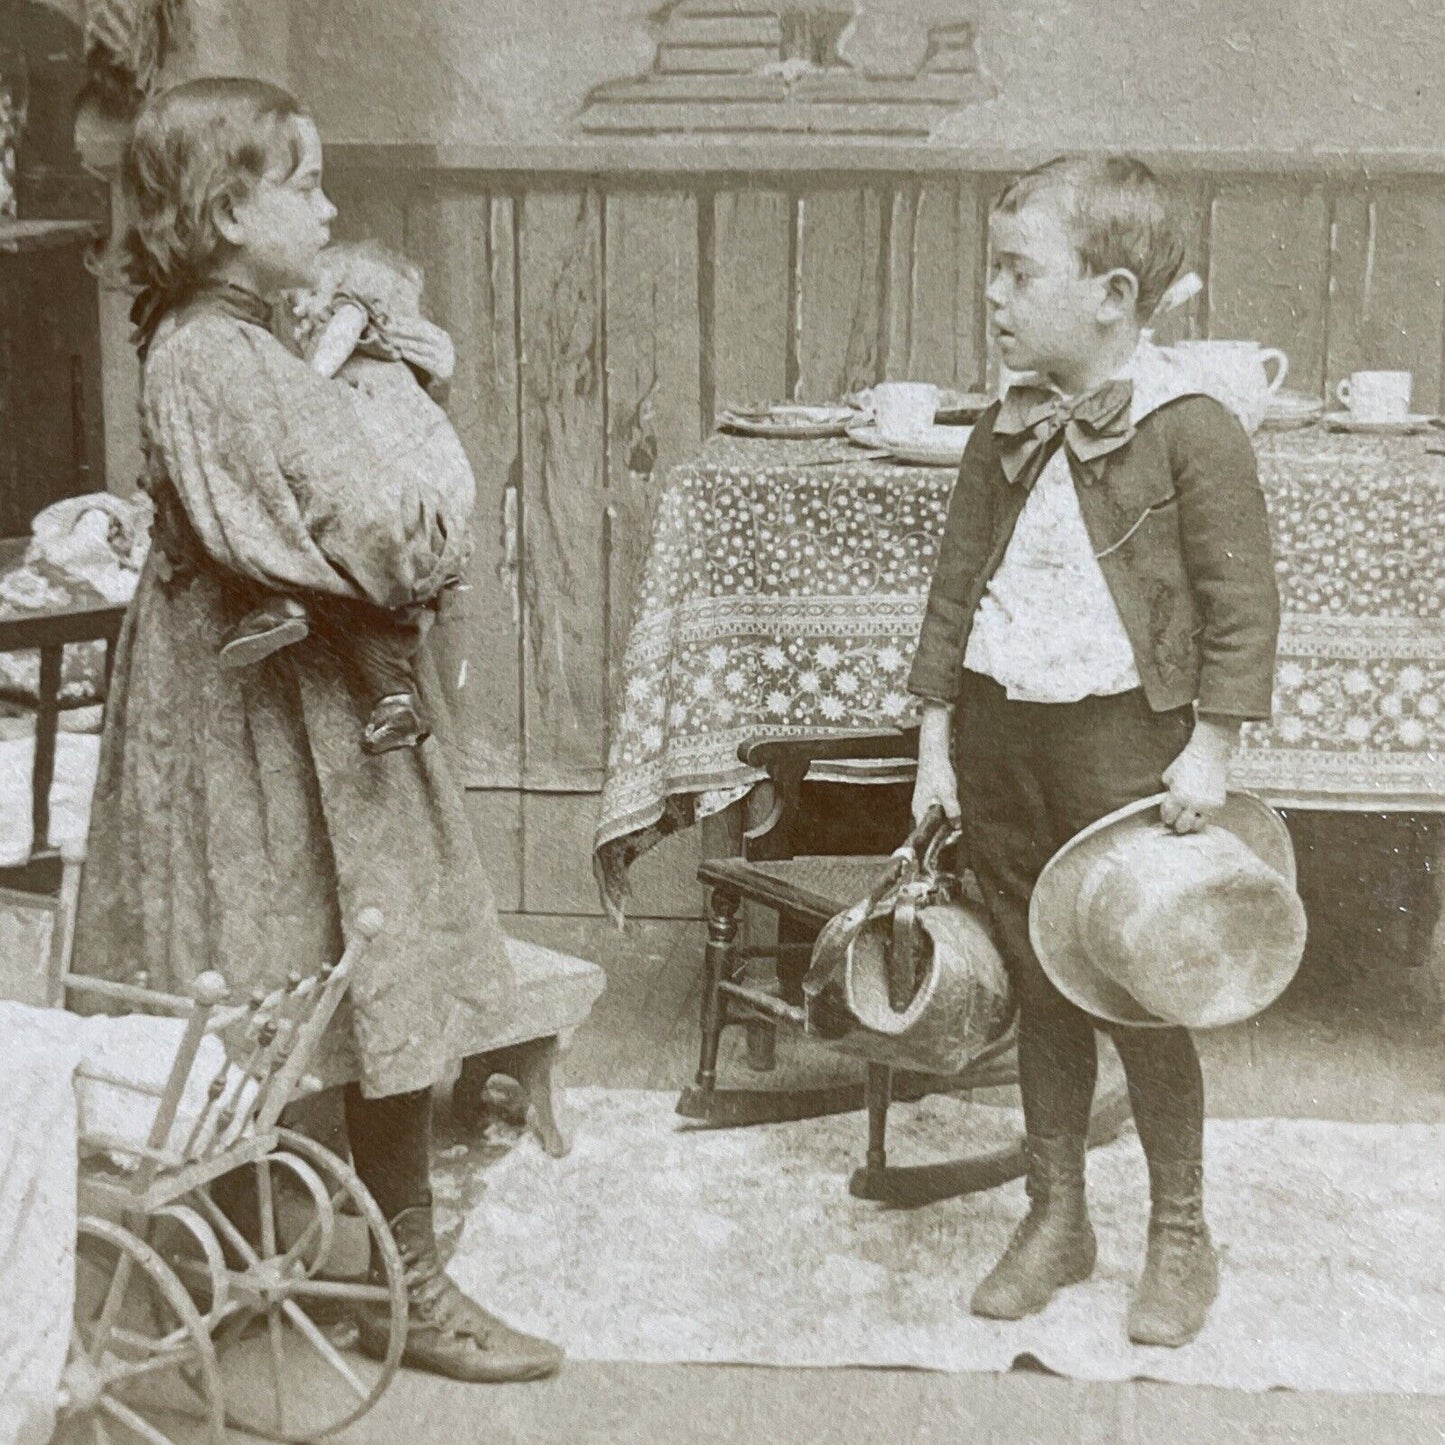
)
(912, 965)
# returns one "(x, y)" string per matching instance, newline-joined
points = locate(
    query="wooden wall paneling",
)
(654, 421)
(557, 862)
(1268, 270)
(842, 279)
(1195, 194)
(120, 375)
(563, 444)
(988, 189)
(750, 319)
(933, 291)
(464, 239)
(496, 819)
(1387, 311)
(370, 205)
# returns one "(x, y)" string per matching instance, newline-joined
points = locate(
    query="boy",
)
(1102, 618)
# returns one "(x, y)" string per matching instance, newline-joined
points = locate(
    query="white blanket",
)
(77, 756)
(47, 1113)
(654, 1241)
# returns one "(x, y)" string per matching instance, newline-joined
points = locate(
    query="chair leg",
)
(866, 1182)
(718, 965)
(880, 1091)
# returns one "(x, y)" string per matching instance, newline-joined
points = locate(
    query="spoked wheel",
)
(297, 1272)
(138, 1347)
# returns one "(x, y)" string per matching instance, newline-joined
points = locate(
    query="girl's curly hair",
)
(191, 148)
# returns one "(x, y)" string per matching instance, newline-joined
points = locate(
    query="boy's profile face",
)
(1045, 313)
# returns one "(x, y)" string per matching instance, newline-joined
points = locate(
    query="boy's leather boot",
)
(1054, 1246)
(1181, 1270)
(449, 1333)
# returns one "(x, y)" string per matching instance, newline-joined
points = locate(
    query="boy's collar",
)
(1158, 375)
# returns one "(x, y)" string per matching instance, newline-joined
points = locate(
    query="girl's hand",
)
(936, 782)
(425, 346)
(1198, 778)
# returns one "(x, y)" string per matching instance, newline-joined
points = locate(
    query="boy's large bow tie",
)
(1093, 426)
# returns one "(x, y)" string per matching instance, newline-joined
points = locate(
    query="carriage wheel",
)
(134, 1325)
(281, 1337)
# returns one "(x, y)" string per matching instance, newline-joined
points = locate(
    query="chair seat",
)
(814, 888)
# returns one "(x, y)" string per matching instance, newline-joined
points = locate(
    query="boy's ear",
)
(1121, 296)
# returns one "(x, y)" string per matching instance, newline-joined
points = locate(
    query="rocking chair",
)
(802, 892)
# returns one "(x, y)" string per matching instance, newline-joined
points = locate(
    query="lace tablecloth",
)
(783, 591)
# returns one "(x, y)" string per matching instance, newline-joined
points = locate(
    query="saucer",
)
(1345, 421)
(787, 421)
(1290, 409)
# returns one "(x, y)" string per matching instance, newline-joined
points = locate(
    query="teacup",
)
(1377, 395)
(904, 408)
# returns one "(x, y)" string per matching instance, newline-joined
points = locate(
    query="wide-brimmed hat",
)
(1140, 925)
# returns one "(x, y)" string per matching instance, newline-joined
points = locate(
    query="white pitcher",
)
(1237, 373)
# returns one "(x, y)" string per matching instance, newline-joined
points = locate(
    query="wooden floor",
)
(1348, 1042)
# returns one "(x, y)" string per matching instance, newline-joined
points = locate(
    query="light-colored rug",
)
(656, 1243)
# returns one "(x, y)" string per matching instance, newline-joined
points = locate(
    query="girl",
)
(237, 823)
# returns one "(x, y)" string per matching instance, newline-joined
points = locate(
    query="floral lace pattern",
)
(783, 593)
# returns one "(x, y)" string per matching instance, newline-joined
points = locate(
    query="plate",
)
(939, 446)
(786, 421)
(955, 408)
(1290, 409)
(1397, 427)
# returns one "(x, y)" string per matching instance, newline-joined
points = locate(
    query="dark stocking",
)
(390, 1142)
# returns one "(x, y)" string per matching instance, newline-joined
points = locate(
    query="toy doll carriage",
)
(219, 1264)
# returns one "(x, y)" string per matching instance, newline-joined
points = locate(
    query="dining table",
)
(785, 581)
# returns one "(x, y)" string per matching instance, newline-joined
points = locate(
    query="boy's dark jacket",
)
(1193, 584)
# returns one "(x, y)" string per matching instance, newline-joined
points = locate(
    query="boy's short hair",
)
(192, 146)
(1119, 213)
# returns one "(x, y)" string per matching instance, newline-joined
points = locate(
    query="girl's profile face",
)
(279, 230)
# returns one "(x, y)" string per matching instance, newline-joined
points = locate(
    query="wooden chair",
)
(803, 892)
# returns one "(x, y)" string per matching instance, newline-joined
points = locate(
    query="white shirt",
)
(1046, 627)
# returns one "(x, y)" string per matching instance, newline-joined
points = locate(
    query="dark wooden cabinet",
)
(51, 433)
(51, 424)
